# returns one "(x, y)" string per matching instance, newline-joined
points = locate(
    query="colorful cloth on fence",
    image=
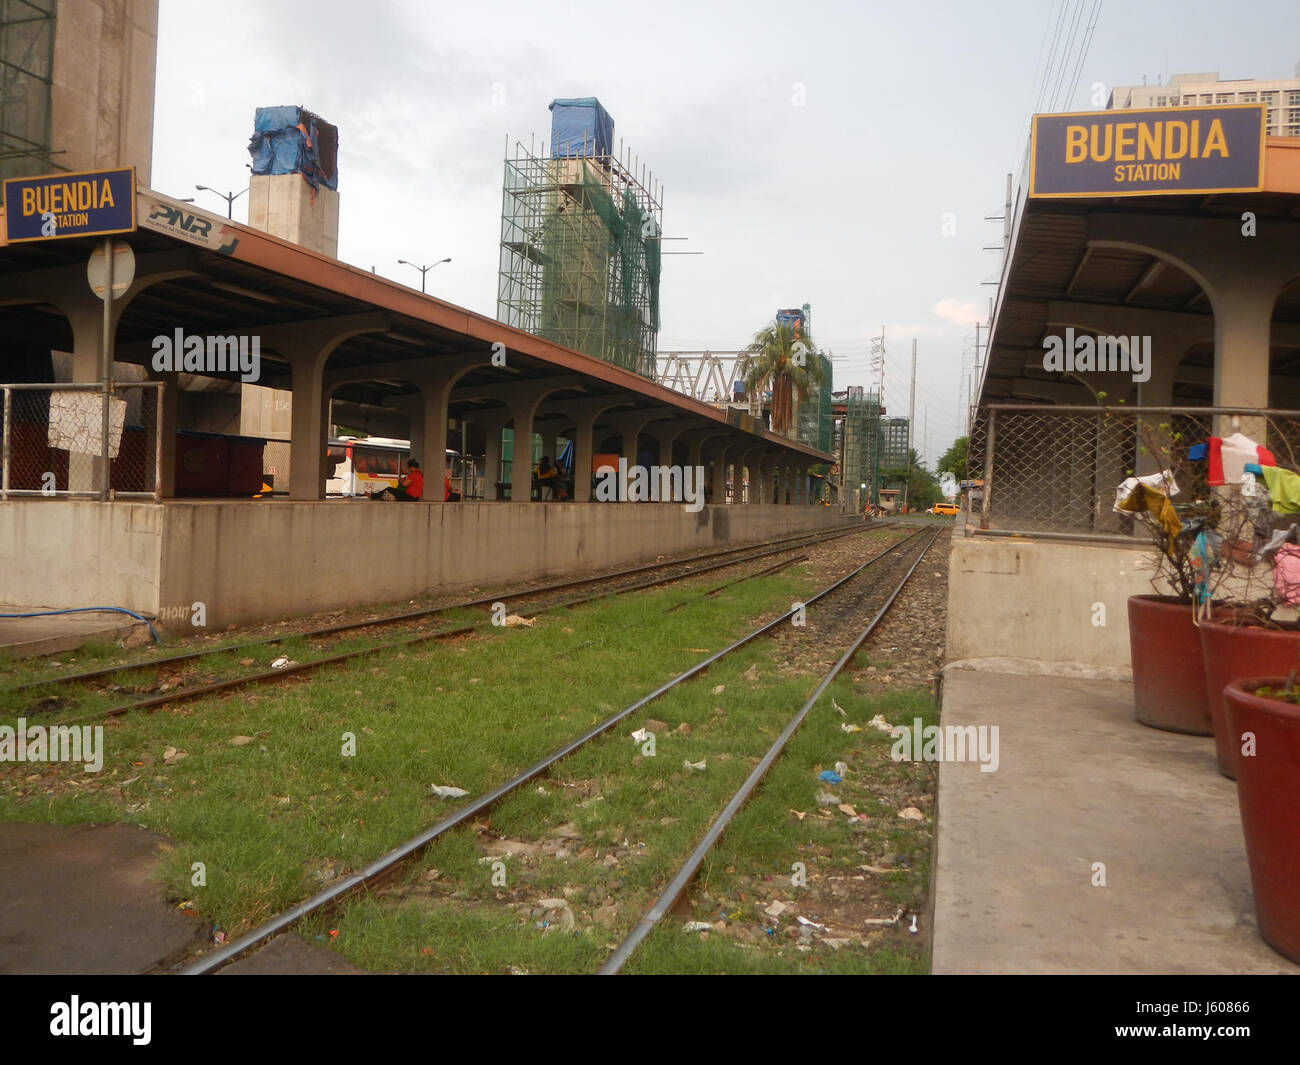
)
(1145, 499)
(1228, 457)
(1161, 482)
(1286, 573)
(1283, 489)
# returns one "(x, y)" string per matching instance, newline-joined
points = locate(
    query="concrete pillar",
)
(1242, 277)
(718, 486)
(307, 346)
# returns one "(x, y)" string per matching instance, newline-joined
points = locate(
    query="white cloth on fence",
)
(1161, 482)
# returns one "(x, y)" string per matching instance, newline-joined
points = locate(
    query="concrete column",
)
(524, 409)
(718, 489)
(436, 384)
(629, 427)
(307, 346)
(666, 434)
(549, 435)
(1242, 277)
(583, 415)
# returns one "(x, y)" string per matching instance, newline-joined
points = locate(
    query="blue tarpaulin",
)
(291, 140)
(580, 127)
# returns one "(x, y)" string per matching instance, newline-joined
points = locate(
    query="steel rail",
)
(668, 897)
(386, 863)
(412, 615)
(270, 676)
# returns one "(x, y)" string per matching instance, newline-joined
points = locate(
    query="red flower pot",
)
(1268, 791)
(1232, 652)
(1168, 674)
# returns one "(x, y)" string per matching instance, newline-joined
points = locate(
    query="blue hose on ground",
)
(92, 610)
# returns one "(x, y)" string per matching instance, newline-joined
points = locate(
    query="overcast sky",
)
(811, 151)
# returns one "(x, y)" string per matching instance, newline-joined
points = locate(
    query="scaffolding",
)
(26, 81)
(813, 418)
(580, 255)
(861, 445)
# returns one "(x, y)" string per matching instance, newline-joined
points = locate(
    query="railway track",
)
(381, 869)
(611, 584)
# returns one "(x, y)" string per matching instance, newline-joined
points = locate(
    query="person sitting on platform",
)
(547, 476)
(410, 485)
(448, 496)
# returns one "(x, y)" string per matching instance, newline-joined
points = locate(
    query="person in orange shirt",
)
(410, 486)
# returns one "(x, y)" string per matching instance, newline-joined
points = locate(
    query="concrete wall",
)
(251, 562)
(105, 53)
(260, 561)
(53, 552)
(1034, 599)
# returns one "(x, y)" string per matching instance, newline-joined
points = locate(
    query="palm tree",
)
(786, 366)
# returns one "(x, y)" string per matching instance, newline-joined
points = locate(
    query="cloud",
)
(958, 313)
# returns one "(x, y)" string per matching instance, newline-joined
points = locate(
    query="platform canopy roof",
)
(216, 277)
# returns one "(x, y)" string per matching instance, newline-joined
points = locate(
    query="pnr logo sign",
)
(95, 203)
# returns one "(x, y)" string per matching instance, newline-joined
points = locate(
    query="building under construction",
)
(861, 448)
(580, 241)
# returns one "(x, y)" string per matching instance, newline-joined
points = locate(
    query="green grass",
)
(278, 818)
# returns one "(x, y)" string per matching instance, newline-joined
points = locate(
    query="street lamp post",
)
(424, 270)
(229, 197)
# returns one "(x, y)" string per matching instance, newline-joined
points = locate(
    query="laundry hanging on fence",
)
(1283, 489)
(1228, 457)
(1161, 482)
(1148, 500)
(1286, 573)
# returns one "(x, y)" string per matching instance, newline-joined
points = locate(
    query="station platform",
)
(1079, 782)
(47, 635)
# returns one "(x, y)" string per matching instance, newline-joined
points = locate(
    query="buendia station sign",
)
(95, 203)
(1143, 153)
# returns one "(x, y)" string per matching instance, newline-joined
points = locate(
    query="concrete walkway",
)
(27, 637)
(83, 899)
(1079, 781)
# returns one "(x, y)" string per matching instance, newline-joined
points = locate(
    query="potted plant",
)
(1168, 673)
(1263, 717)
(1246, 637)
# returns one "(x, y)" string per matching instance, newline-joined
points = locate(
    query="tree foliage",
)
(954, 459)
(785, 366)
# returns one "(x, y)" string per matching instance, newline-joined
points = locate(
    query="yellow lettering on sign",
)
(1148, 140)
(1124, 133)
(29, 201)
(1076, 144)
(106, 196)
(1215, 141)
(1101, 153)
(1180, 130)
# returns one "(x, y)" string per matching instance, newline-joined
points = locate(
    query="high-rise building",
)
(893, 445)
(1281, 97)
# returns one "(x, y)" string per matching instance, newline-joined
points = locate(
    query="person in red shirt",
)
(448, 496)
(410, 486)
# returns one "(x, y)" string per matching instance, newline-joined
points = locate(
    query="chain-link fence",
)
(1055, 469)
(57, 437)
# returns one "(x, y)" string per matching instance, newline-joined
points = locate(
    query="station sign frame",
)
(26, 226)
(1241, 126)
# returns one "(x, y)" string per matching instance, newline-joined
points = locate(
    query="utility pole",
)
(911, 405)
